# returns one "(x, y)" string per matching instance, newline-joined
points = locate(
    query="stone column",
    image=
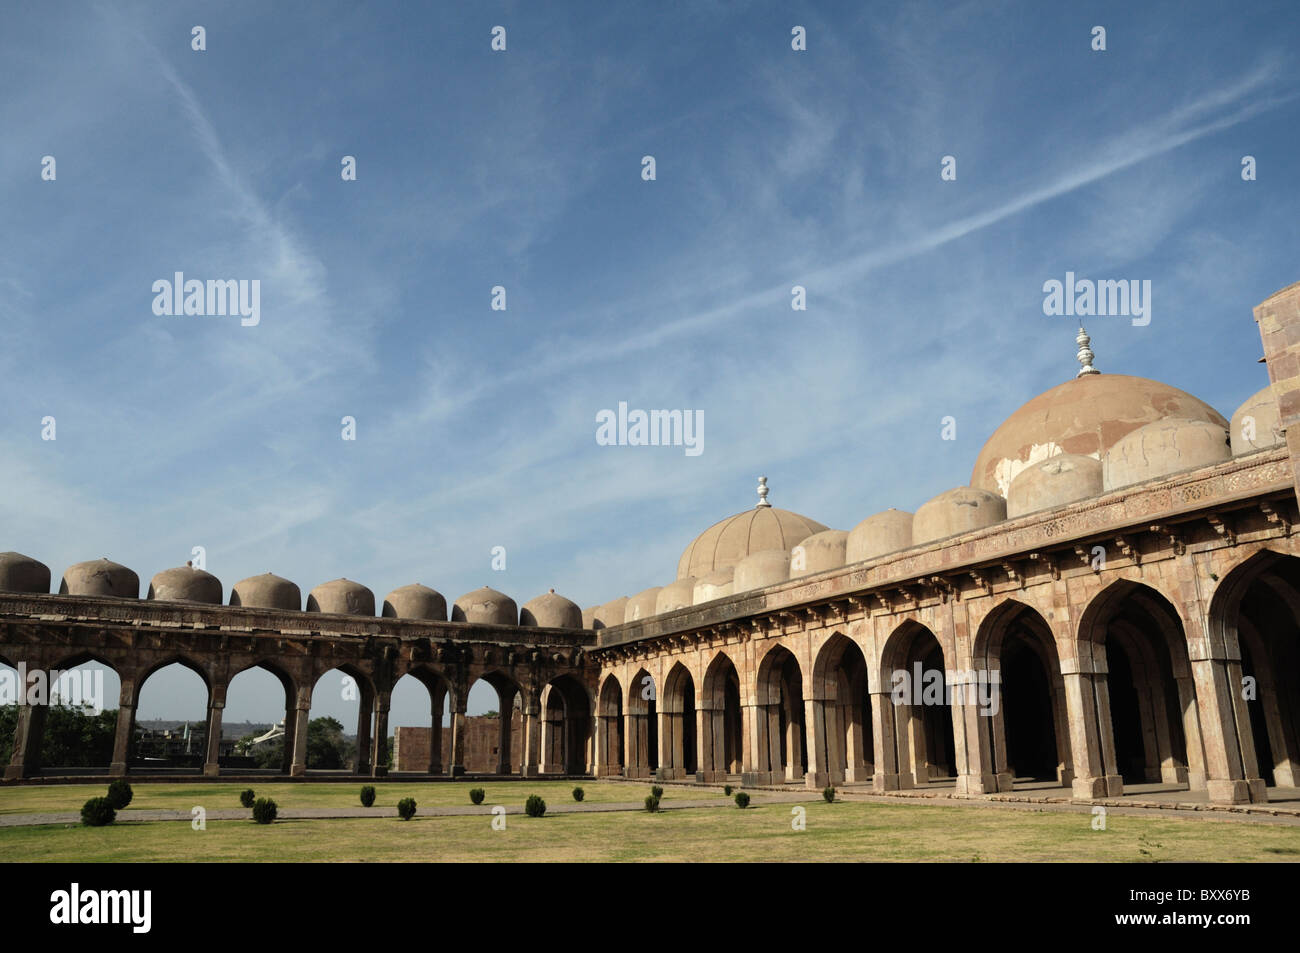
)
(503, 739)
(710, 748)
(436, 699)
(883, 742)
(753, 725)
(972, 729)
(815, 732)
(365, 719)
(633, 746)
(458, 728)
(532, 739)
(216, 705)
(286, 742)
(1232, 772)
(302, 714)
(25, 762)
(125, 727)
(379, 762)
(1092, 747)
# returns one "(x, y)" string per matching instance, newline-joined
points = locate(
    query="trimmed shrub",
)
(97, 812)
(742, 800)
(727, 790)
(534, 806)
(367, 795)
(476, 795)
(579, 794)
(651, 803)
(828, 793)
(246, 797)
(264, 810)
(120, 794)
(406, 808)
(657, 791)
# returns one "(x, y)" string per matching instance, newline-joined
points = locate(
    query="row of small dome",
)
(765, 545)
(102, 577)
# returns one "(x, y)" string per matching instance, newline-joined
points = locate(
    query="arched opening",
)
(641, 735)
(419, 715)
(494, 726)
(782, 753)
(259, 705)
(76, 715)
(1019, 695)
(1256, 609)
(1146, 701)
(171, 719)
(341, 697)
(840, 688)
(680, 755)
(721, 741)
(566, 728)
(915, 675)
(609, 736)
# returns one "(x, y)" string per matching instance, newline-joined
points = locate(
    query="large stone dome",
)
(723, 545)
(415, 602)
(19, 573)
(486, 606)
(341, 597)
(100, 577)
(1087, 416)
(267, 591)
(551, 610)
(185, 584)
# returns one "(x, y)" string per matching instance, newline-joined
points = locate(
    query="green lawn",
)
(34, 799)
(843, 831)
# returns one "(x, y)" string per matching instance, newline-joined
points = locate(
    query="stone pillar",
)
(753, 725)
(25, 761)
(1091, 738)
(972, 737)
(710, 746)
(290, 732)
(1232, 772)
(379, 762)
(815, 732)
(302, 714)
(503, 738)
(883, 736)
(458, 728)
(125, 727)
(216, 705)
(633, 746)
(365, 719)
(436, 699)
(532, 739)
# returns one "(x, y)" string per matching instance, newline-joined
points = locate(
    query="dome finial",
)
(762, 493)
(1085, 354)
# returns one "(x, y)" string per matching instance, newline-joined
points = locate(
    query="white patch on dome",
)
(1008, 470)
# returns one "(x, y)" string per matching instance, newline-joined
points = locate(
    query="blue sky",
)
(475, 427)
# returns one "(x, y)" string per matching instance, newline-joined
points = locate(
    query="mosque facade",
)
(1112, 602)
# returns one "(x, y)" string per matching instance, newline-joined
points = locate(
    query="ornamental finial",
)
(762, 493)
(1085, 354)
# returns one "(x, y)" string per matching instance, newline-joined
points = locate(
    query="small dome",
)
(1087, 415)
(19, 573)
(642, 605)
(611, 613)
(267, 591)
(726, 543)
(676, 595)
(1164, 448)
(551, 611)
(100, 577)
(879, 535)
(415, 602)
(819, 552)
(589, 617)
(713, 585)
(341, 597)
(1257, 425)
(485, 606)
(1064, 478)
(762, 569)
(958, 511)
(185, 584)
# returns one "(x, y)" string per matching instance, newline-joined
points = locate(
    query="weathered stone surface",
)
(487, 606)
(341, 597)
(551, 610)
(1057, 481)
(879, 535)
(267, 591)
(19, 573)
(415, 601)
(100, 577)
(185, 584)
(819, 552)
(957, 511)
(1163, 448)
